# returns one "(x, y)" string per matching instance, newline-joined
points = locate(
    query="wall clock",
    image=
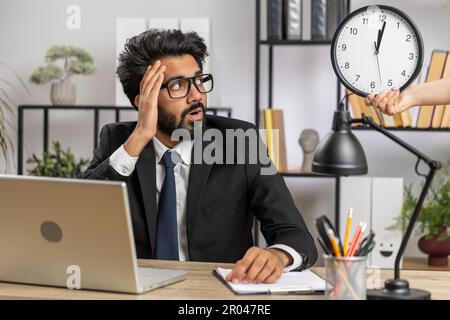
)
(376, 48)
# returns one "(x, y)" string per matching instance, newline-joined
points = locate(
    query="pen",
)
(294, 291)
(322, 244)
(334, 243)
(357, 237)
(347, 230)
(367, 248)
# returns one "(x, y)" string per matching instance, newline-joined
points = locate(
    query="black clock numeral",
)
(398, 25)
(408, 38)
(365, 20)
(347, 65)
(382, 17)
(357, 77)
(354, 31)
(403, 73)
(390, 82)
(411, 56)
(344, 47)
(372, 84)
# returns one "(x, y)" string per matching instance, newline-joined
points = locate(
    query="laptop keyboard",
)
(151, 277)
(149, 273)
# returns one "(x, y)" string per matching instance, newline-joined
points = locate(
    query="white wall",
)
(304, 82)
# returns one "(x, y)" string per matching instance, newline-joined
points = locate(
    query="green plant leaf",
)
(79, 67)
(58, 162)
(43, 75)
(75, 61)
(16, 75)
(434, 217)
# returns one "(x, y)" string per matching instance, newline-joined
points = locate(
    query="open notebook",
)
(294, 282)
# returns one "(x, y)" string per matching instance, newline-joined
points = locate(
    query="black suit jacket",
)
(222, 200)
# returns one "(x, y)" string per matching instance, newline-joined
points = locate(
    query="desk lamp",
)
(341, 154)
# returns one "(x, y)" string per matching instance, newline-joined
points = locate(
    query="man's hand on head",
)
(147, 103)
(260, 266)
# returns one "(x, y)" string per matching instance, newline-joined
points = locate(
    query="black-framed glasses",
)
(180, 88)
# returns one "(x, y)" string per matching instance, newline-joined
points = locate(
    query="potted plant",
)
(434, 219)
(10, 95)
(74, 61)
(58, 163)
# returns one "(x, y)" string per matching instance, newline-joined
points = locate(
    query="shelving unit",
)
(361, 128)
(271, 44)
(97, 109)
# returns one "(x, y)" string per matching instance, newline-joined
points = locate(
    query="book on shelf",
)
(355, 108)
(280, 143)
(438, 113)
(272, 121)
(285, 18)
(318, 19)
(376, 114)
(358, 107)
(414, 111)
(269, 134)
(336, 11)
(435, 72)
(388, 121)
(446, 117)
(275, 19)
(369, 111)
(293, 19)
(403, 119)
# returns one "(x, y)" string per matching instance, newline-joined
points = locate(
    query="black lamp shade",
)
(340, 152)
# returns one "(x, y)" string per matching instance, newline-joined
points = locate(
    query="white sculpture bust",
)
(309, 139)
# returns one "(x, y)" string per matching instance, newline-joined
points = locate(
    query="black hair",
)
(144, 49)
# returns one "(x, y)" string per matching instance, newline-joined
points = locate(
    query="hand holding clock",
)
(429, 93)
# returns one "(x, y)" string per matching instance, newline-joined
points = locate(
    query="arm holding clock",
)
(429, 93)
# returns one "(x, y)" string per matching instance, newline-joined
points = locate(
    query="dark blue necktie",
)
(166, 229)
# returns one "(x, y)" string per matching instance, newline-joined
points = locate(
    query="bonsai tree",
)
(58, 163)
(74, 61)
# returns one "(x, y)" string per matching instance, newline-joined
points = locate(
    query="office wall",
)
(304, 83)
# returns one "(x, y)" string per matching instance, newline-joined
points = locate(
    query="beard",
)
(167, 122)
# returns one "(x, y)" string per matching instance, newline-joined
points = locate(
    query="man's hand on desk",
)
(260, 266)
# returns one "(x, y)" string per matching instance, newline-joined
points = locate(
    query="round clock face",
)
(376, 48)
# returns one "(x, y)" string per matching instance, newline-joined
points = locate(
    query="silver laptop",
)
(71, 233)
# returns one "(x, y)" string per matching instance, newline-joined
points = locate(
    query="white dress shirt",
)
(124, 164)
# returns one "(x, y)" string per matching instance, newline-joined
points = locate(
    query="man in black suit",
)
(184, 209)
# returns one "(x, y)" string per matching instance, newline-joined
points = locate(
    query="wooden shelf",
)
(294, 42)
(421, 264)
(296, 172)
(362, 128)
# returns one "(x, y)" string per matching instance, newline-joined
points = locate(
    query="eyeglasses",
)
(180, 88)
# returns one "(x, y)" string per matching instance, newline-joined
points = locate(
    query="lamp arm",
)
(433, 165)
(368, 121)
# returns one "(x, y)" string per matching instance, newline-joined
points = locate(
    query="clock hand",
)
(380, 37)
(378, 62)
